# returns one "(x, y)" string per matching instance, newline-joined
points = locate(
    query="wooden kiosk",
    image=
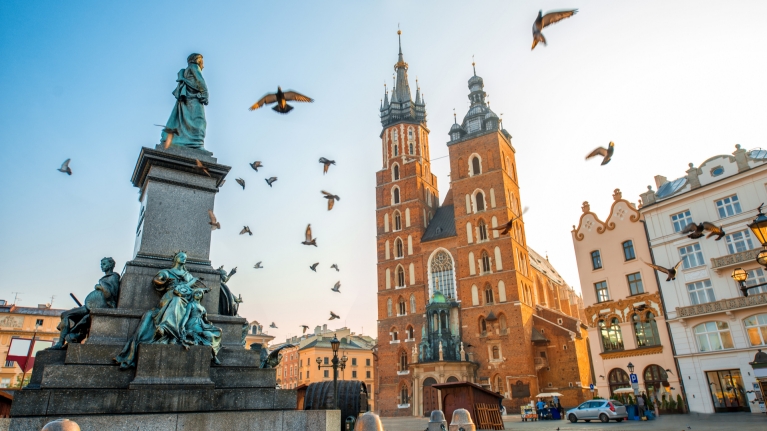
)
(482, 404)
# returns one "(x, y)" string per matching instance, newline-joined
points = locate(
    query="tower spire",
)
(473, 65)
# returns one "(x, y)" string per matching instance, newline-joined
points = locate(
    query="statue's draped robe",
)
(198, 330)
(76, 323)
(227, 305)
(187, 120)
(168, 314)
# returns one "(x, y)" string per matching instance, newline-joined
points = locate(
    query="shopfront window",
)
(727, 391)
(655, 380)
(618, 378)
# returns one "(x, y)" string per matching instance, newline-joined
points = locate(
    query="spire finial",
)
(473, 65)
(399, 38)
(455, 119)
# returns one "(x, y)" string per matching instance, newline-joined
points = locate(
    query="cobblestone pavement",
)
(696, 422)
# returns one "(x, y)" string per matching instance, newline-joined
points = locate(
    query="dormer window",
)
(455, 136)
(474, 125)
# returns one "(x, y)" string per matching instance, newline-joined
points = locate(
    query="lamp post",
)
(336, 364)
(741, 277)
(630, 366)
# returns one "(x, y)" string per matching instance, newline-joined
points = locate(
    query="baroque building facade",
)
(457, 300)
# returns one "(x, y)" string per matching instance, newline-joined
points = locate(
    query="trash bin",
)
(631, 411)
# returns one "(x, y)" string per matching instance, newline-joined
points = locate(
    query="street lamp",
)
(336, 364)
(740, 276)
(759, 227)
(630, 366)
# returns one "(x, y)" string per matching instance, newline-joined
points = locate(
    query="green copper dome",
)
(438, 298)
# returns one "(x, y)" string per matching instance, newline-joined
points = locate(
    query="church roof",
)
(442, 225)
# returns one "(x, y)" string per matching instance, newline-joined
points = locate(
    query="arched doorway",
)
(655, 379)
(430, 397)
(618, 379)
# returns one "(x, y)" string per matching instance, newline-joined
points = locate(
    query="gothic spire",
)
(402, 89)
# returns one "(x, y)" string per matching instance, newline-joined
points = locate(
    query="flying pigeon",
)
(273, 358)
(214, 224)
(241, 182)
(65, 167)
(335, 266)
(327, 164)
(334, 316)
(201, 167)
(258, 265)
(281, 100)
(255, 165)
(273, 325)
(505, 228)
(270, 180)
(337, 287)
(544, 21)
(309, 240)
(606, 153)
(246, 230)
(314, 267)
(331, 199)
(697, 230)
(305, 328)
(671, 272)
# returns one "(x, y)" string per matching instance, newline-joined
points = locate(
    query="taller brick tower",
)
(406, 199)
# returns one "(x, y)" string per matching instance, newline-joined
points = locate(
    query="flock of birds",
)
(692, 231)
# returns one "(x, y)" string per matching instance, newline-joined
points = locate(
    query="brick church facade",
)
(457, 300)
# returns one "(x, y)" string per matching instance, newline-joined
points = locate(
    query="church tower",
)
(406, 199)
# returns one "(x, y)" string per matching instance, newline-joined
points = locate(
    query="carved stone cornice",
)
(623, 308)
(723, 305)
(633, 352)
(719, 263)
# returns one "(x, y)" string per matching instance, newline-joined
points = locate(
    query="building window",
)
(395, 192)
(367, 374)
(398, 249)
(611, 335)
(367, 362)
(397, 221)
(410, 333)
(628, 250)
(473, 125)
(701, 292)
(602, 293)
(476, 167)
(502, 324)
(728, 206)
(482, 228)
(354, 362)
(596, 259)
(739, 241)
(403, 361)
(388, 307)
(680, 220)
(713, 336)
(496, 352)
(618, 379)
(756, 276)
(400, 277)
(39, 322)
(488, 294)
(326, 374)
(10, 363)
(395, 173)
(480, 198)
(403, 397)
(485, 262)
(394, 334)
(482, 326)
(326, 361)
(402, 307)
(692, 256)
(412, 148)
(646, 331)
(756, 328)
(635, 283)
(354, 374)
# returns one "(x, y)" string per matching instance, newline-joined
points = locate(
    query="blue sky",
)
(670, 82)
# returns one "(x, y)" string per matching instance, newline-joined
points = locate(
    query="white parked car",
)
(603, 410)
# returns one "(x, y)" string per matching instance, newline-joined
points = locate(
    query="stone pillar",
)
(741, 158)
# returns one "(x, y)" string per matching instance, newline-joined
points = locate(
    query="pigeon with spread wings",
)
(255, 165)
(694, 231)
(314, 267)
(241, 182)
(258, 265)
(331, 198)
(671, 272)
(327, 164)
(309, 240)
(305, 328)
(337, 287)
(606, 153)
(270, 180)
(544, 21)
(246, 230)
(281, 98)
(505, 228)
(214, 224)
(335, 266)
(273, 325)
(334, 316)
(65, 167)
(201, 167)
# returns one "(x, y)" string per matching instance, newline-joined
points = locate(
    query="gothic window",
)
(394, 136)
(475, 166)
(400, 277)
(402, 307)
(397, 221)
(410, 134)
(410, 333)
(393, 333)
(403, 362)
(395, 148)
(480, 198)
(489, 294)
(403, 397)
(482, 326)
(412, 148)
(482, 227)
(442, 274)
(485, 262)
(395, 173)
(398, 249)
(395, 195)
(388, 307)
(496, 352)
(412, 304)
(503, 324)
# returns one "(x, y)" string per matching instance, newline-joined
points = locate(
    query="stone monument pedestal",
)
(171, 388)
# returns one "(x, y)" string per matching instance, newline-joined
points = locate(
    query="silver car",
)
(604, 410)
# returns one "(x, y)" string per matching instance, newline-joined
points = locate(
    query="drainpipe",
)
(665, 318)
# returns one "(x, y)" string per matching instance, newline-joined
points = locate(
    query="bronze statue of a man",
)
(186, 125)
(75, 323)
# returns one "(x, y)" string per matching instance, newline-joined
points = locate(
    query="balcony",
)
(723, 305)
(540, 363)
(720, 263)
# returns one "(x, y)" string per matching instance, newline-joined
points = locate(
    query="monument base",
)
(285, 420)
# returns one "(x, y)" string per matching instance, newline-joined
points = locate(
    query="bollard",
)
(437, 421)
(369, 422)
(61, 425)
(462, 421)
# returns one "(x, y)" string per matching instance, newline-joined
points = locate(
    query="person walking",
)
(640, 405)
